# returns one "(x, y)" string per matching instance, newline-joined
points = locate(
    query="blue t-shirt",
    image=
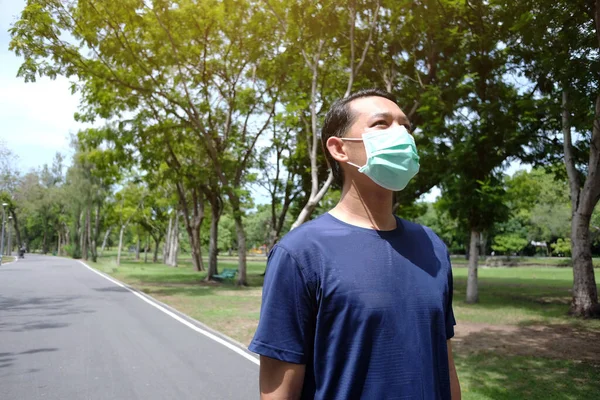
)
(368, 312)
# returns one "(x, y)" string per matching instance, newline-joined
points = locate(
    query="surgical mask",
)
(392, 159)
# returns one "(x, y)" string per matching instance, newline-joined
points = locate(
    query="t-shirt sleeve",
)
(450, 321)
(286, 328)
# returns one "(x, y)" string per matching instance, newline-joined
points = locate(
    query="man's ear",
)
(335, 145)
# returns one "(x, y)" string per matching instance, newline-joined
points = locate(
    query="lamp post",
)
(9, 236)
(2, 238)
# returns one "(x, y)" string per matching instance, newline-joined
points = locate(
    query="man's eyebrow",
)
(387, 115)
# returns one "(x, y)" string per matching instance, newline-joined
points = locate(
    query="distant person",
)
(357, 304)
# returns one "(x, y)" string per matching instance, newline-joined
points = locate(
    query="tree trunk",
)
(472, 288)
(585, 292)
(174, 242)
(315, 194)
(193, 221)
(167, 246)
(312, 203)
(137, 249)
(44, 244)
(156, 244)
(146, 250)
(17, 230)
(216, 208)
(583, 201)
(94, 241)
(196, 248)
(106, 235)
(90, 242)
(83, 235)
(483, 244)
(75, 238)
(120, 244)
(241, 237)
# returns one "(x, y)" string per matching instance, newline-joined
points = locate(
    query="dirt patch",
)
(550, 341)
(241, 292)
(197, 284)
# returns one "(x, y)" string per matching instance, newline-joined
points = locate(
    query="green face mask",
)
(392, 159)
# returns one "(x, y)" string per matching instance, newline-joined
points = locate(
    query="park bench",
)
(227, 273)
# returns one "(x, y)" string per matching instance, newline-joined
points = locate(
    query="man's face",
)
(371, 114)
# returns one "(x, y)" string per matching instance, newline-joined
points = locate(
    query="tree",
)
(555, 45)
(493, 122)
(128, 202)
(280, 176)
(9, 180)
(190, 68)
(317, 31)
(509, 243)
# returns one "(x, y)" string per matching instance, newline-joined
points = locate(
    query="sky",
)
(36, 119)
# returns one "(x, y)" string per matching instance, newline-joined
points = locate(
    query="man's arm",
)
(454, 383)
(280, 380)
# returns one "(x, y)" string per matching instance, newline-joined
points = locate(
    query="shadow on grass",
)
(531, 339)
(493, 376)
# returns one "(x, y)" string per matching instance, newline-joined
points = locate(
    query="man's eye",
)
(380, 123)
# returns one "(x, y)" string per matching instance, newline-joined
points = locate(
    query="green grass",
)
(519, 298)
(521, 261)
(7, 259)
(489, 376)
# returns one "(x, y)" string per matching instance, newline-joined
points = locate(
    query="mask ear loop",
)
(353, 140)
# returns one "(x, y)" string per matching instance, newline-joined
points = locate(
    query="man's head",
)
(362, 112)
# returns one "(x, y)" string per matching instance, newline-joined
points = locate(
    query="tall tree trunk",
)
(96, 232)
(482, 243)
(472, 285)
(89, 235)
(83, 236)
(146, 249)
(585, 292)
(174, 242)
(193, 222)
(195, 245)
(106, 235)
(316, 194)
(137, 248)
(120, 244)
(241, 237)
(583, 201)
(216, 209)
(167, 246)
(17, 230)
(156, 245)
(44, 240)
(75, 233)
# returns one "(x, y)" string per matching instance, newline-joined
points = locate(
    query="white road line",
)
(178, 318)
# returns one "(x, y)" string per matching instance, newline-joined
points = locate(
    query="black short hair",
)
(339, 119)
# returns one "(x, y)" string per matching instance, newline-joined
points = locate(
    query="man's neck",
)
(366, 208)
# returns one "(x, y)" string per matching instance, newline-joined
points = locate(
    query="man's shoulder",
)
(303, 236)
(422, 233)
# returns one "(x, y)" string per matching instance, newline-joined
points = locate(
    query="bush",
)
(72, 251)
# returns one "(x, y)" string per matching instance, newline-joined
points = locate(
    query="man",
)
(357, 304)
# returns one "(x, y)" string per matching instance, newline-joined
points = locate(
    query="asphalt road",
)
(67, 333)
